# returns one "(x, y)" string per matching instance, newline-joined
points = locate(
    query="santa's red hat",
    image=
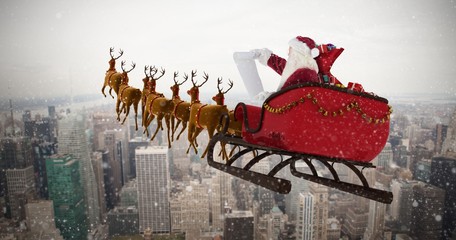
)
(305, 46)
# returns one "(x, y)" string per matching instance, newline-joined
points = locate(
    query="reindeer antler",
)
(176, 73)
(185, 78)
(230, 83)
(155, 70)
(219, 82)
(133, 65)
(193, 76)
(206, 77)
(111, 50)
(145, 70)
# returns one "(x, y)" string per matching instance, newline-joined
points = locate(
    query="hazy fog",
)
(62, 47)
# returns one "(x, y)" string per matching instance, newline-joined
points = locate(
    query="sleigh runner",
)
(310, 122)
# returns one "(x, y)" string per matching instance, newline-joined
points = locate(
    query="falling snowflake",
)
(415, 204)
(438, 218)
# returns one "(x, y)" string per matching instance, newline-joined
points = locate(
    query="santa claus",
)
(300, 67)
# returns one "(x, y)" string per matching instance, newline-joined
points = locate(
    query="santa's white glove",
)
(262, 55)
(262, 96)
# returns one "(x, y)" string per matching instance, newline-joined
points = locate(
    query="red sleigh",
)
(319, 120)
(310, 122)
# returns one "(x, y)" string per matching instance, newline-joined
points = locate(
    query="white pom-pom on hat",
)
(305, 46)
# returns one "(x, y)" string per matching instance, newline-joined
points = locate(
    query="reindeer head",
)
(219, 98)
(112, 61)
(194, 91)
(175, 88)
(125, 72)
(153, 80)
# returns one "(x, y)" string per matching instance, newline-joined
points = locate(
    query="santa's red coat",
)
(301, 75)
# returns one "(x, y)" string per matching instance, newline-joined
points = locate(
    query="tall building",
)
(152, 168)
(17, 174)
(129, 194)
(72, 139)
(385, 158)
(298, 185)
(189, 209)
(40, 152)
(221, 195)
(132, 145)
(441, 133)
(123, 221)
(40, 220)
(355, 222)
(65, 190)
(113, 143)
(334, 229)
(98, 169)
(376, 219)
(21, 187)
(305, 217)
(427, 211)
(449, 144)
(238, 225)
(321, 208)
(443, 172)
(276, 222)
(401, 207)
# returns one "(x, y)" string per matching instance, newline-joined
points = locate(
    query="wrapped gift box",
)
(355, 87)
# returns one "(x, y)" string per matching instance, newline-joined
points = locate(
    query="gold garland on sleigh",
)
(353, 105)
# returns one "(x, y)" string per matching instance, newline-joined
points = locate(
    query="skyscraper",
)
(401, 207)
(427, 211)
(376, 219)
(16, 166)
(238, 225)
(304, 217)
(443, 171)
(449, 144)
(298, 185)
(65, 190)
(152, 169)
(72, 139)
(321, 207)
(21, 187)
(40, 219)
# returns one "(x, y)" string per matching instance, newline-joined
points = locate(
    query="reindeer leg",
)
(135, 107)
(144, 122)
(184, 126)
(171, 118)
(210, 132)
(159, 125)
(117, 109)
(127, 111)
(102, 90)
(110, 90)
(167, 122)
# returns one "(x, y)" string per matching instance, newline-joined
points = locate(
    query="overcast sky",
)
(62, 47)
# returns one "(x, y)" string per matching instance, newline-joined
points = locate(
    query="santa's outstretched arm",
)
(245, 62)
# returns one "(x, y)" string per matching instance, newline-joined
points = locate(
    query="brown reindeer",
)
(182, 108)
(162, 107)
(149, 97)
(111, 70)
(117, 78)
(208, 116)
(194, 127)
(176, 100)
(127, 95)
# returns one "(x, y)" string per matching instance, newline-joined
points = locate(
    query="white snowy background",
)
(54, 48)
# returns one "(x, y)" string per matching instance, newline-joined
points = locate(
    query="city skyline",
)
(409, 166)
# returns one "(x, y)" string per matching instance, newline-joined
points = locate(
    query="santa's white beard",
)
(296, 61)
